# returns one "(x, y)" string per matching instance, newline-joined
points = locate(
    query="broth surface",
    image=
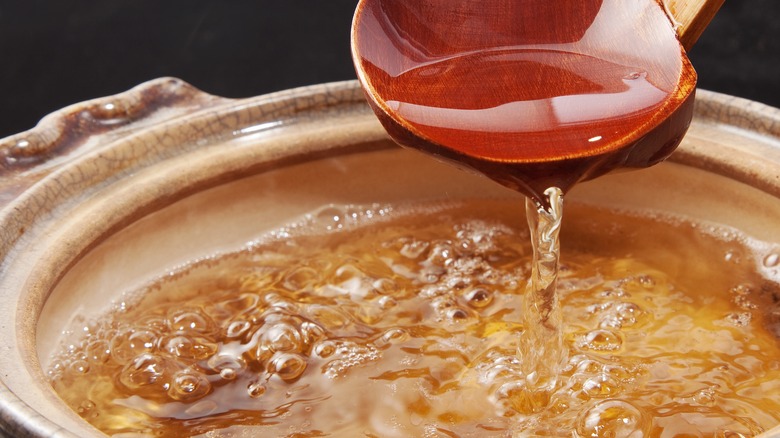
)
(385, 321)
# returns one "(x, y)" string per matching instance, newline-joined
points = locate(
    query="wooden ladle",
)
(532, 93)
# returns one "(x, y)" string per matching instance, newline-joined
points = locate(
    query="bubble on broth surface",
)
(771, 260)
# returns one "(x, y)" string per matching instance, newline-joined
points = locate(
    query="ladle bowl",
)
(533, 94)
(108, 194)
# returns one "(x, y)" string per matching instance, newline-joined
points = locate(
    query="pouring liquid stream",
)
(541, 348)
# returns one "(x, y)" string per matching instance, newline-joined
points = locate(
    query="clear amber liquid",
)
(468, 103)
(531, 93)
(384, 322)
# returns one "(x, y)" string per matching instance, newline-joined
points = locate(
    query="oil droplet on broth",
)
(408, 323)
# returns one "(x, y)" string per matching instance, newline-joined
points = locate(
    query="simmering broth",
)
(395, 321)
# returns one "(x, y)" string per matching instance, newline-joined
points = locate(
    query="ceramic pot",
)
(107, 194)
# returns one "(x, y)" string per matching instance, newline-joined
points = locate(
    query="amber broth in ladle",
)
(534, 94)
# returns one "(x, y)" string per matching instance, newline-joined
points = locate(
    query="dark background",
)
(54, 53)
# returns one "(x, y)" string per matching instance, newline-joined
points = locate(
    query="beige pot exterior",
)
(97, 184)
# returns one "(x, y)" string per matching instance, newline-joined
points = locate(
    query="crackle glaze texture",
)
(97, 169)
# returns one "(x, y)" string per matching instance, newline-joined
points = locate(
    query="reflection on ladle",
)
(534, 93)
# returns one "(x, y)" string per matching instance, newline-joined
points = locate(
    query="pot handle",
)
(88, 126)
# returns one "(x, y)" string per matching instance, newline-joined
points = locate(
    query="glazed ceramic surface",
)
(109, 194)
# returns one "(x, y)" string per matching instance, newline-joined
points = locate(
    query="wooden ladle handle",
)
(693, 16)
